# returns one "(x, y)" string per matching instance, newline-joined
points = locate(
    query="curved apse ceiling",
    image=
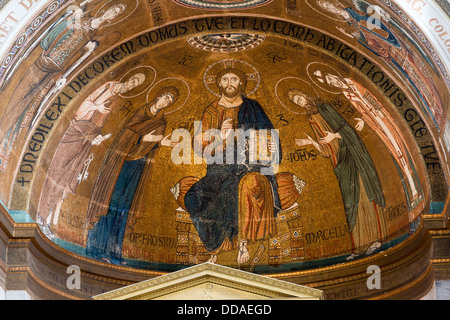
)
(117, 117)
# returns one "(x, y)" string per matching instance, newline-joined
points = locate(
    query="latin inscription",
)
(293, 32)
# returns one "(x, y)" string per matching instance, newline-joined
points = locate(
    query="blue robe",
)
(117, 199)
(106, 238)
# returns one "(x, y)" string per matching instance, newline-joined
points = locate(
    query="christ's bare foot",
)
(212, 259)
(243, 254)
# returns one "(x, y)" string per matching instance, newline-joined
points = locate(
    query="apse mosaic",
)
(240, 140)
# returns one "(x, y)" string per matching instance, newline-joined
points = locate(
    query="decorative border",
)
(3, 3)
(204, 4)
(417, 281)
(445, 6)
(421, 36)
(21, 40)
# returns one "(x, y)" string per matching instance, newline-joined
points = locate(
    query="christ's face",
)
(230, 85)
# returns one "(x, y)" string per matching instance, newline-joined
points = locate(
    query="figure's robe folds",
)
(73, 150)
(117, 197)
(356, 174)
(233, 200)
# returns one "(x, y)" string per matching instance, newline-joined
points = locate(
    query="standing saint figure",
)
(355, 171)
(69, 39)
(84, 131)
(381, 122)
(234, 203)
(117, 197)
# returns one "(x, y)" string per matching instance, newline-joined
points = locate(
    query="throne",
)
(285, 246)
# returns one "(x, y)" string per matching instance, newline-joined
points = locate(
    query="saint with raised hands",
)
(84, 132)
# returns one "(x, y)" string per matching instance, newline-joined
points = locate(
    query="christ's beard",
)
(230, 93)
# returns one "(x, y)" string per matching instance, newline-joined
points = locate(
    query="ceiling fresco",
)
(265, 135)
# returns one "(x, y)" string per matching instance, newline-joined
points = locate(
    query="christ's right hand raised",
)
(226, 128)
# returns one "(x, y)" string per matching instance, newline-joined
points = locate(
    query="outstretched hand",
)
(329, 137)
(150, 137)
(167, 142)
(305, 141)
